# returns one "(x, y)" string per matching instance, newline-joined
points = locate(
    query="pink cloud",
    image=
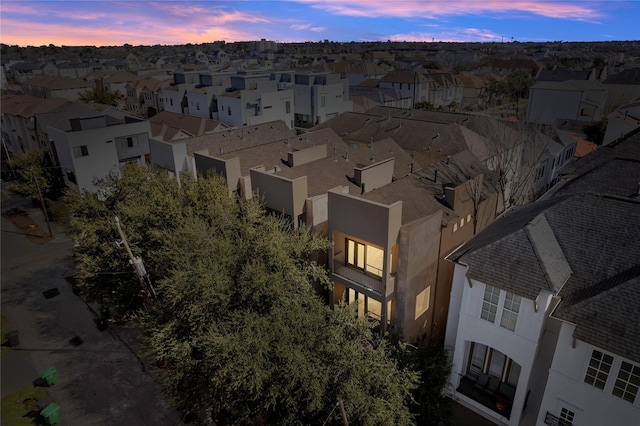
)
(439, 8)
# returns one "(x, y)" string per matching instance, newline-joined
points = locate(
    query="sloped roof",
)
(168, 124)
(28, 106)
(236, 139)
(57, 82)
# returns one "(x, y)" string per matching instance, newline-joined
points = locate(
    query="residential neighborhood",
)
(478, 198)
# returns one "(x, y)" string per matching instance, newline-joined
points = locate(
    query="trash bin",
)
(13, 338)
(51, 414)
(50, 375)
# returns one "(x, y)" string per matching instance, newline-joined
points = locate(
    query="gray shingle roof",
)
(599, 237)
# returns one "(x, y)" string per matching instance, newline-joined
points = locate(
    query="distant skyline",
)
(111, 23)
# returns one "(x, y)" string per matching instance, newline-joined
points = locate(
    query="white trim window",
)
(566, 417)
(490, 303)
(627, 382)
(598, 370)
(510, 311)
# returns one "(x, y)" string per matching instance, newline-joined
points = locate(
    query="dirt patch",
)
(21, 220)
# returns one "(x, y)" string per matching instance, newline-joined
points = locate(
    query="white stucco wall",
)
(566, 387)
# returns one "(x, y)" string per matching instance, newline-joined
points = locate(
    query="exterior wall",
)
(372, 224)
(520, 345)
(230, 111)
(274, 107)
(375, 175)
(200, 104)
(546, 105)
(280, 194)
(566, 388)
(172, 100)
(103, 156)
(228, 169)
(416, 278)
(308, 155)
(169, 156)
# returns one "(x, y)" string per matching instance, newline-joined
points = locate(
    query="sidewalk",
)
(100, 379)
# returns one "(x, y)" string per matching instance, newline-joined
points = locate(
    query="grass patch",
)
(5, 329)
(17, 406)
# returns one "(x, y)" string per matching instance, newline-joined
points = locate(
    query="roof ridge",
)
(553, 262)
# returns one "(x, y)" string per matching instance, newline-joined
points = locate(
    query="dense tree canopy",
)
(236, 321)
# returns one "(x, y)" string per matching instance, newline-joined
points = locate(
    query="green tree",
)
(102, 96)
(32, 175)
(236, 321)
(595, 131)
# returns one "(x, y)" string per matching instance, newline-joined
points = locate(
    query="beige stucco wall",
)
(419, 245)
(279, 193)
(374, 176)
(228, 169)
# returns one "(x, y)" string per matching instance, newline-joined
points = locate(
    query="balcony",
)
(358, 276)
(490, 392)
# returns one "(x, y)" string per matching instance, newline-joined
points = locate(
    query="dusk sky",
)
(110, 23)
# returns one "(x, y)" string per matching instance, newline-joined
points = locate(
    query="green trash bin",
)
(51, 414)
(50, 375)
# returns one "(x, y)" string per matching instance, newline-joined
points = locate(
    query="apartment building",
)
(543, 321)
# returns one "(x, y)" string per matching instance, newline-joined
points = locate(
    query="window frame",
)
(621, 386)
(508, 313)
(80, 151)
(595, 374)
(492, 290)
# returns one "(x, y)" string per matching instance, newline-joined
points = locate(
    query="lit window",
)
(598, 370)
(80, 151)
(455, 227)
(628, 382)
(469, 218)
(490, 303)
(461, 222)
(566, 417)
(510, 311)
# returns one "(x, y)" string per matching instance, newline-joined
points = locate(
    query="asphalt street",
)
(105, 380)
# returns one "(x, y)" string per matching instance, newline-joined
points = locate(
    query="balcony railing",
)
(358, 276)
(491, 393)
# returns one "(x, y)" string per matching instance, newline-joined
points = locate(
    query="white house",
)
(544, 320)
(319, 97)
(255, 99)
(95, 147)
(572, 100)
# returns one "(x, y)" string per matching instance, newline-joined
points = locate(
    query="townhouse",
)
(144, 97)
(255, 98)
(543, 321)
(319, 97)
(93, 148)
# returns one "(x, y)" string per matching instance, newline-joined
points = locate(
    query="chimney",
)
(346, 155)
(411, 168)
(435, 176)
(361, 188)
(371, 143)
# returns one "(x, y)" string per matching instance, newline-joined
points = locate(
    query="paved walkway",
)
(100, 381)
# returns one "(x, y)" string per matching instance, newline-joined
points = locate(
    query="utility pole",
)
(136, 263)
(44, 207)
